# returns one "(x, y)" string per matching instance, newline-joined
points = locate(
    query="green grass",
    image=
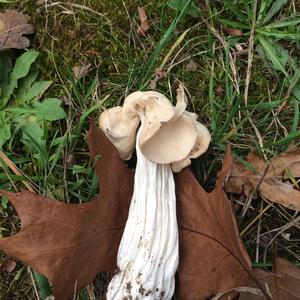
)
(103, 33)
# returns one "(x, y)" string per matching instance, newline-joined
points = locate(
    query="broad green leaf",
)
(34, 92)
(33, 128)
(20, 70)
(296, 92)
(49, 110)
(192, 10)
(264, 105)
(296, 118)
(292, 21)
(5, 68)
(25, 83)
(44, 286)
(233, 24)
(23, 64)
(4, 202)
(264, 5)
(236, 11)
(277, 5)
(5, 133)
(278, 59)
(294, 81)
(33, 138)
(295, 36)
(77, 169)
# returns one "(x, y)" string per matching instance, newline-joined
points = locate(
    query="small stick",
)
(255, 219)
(16, 170)
(258, 236)
(249, 199)
(33, 282)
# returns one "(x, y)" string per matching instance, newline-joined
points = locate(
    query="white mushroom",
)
(167, 139)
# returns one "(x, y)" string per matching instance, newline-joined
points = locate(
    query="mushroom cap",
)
(168, 134)
(120, 128)
(171, 142)
(201, 145)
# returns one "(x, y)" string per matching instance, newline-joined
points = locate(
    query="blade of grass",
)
(277, 5)
(43, 285)
(287, 22)
(162, 43)
(281, 34)
(271, 54)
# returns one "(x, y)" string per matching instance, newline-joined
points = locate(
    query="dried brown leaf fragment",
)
(279, 184)
(233, 31)
(80, 71)
(13, 28)
(282, 283)
(191, 66)
(8, 266)
(144, 25)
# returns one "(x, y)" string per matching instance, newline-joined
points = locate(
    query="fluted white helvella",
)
(165, 137)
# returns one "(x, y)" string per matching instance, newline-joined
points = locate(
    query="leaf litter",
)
(282, 282)
(13, 28)
(278, 184)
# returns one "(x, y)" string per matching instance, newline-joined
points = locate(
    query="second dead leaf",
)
(283, 284)
(8, 266)
(13, 27)
(191, 66)
(144, 26)
(279, 184)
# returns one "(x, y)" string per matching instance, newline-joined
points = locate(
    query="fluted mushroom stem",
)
(148, 252)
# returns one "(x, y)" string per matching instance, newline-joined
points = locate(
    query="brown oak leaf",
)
(13, 27)
(71, 243)
(212, 256)
(282, 283)
(274, 185)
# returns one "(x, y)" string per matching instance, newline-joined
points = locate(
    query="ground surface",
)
(211, 59)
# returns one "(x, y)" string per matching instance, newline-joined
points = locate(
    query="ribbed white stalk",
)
(148, 252)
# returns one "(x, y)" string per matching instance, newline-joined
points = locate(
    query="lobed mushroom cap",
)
(168, 134)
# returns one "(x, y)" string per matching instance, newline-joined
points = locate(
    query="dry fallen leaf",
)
(212, 256)
(191, 66)
(13, 27)
(144, 26)
(8, 266)
(80, 71)
(275, 185)
(282, 283)
(233, 31)
(71, 243)
(159, 74)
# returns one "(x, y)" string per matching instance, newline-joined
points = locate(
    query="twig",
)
(34, 285)
(258, 235)
(255, 219)
(243, 289)
(16, 170)
(254, 191)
